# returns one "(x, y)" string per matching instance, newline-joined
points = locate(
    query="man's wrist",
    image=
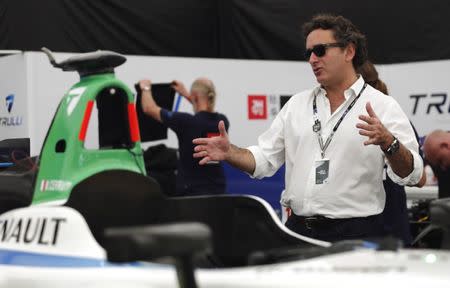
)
(145, 88)
(393, 147)
(384, 146)
(228, 156)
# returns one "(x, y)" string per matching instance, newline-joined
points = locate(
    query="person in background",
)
(334, 139)
(370, 75)
(436, 148)
(192, 178)
(395, 213)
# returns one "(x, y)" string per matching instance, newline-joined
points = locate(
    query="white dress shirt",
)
(355, 186)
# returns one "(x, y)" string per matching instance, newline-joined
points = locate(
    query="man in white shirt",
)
(334, 140)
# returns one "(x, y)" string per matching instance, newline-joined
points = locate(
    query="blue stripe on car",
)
(20, 258)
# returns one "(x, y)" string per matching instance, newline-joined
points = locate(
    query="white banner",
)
(423, 91)
(13, 97)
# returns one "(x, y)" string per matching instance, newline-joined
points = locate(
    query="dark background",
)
(398, 31)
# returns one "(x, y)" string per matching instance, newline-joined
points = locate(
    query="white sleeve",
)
(270, 152)
(398, 124)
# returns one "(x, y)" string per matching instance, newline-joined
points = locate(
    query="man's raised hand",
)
(374, 129)
(214, 148)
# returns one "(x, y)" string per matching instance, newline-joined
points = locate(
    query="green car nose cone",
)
(64, 160)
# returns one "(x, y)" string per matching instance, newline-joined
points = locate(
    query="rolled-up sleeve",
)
(269, 154)
(398, 124)
(262, 167)
(414, 177)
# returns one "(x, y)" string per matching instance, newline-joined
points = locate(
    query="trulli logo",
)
(10, 120)
(9, 102)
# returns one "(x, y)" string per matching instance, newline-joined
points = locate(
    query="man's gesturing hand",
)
(374, 129)
(214, 148)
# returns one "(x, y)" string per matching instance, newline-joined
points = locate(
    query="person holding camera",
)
(192, 178)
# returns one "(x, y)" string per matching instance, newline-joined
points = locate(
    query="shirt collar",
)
(355, 88)
(352, 90)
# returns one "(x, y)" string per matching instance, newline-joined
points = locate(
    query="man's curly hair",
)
(344, 31)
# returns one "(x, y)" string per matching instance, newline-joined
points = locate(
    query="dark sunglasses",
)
(320, 49)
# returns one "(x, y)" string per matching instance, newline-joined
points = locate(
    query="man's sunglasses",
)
(320, 49)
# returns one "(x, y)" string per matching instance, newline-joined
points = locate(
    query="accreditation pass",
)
(322, 171)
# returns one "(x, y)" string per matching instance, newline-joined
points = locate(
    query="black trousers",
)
(333, 230)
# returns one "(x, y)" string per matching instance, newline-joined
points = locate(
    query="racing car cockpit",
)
(240, 224)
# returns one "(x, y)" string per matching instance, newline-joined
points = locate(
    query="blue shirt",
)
(192, 178)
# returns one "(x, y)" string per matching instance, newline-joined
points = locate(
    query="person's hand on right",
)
(214, 148)
(179, 87)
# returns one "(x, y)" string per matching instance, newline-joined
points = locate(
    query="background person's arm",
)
(148, 104)
(179, 87)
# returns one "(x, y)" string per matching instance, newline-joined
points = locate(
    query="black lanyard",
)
(317, 126)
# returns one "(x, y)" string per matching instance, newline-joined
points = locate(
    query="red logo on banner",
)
(257, 107)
